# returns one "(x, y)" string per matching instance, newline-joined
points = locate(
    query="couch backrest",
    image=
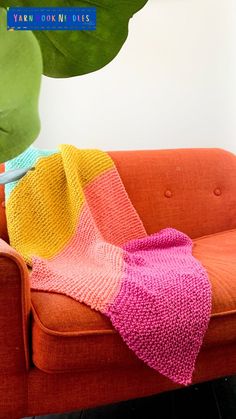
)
(193, 190)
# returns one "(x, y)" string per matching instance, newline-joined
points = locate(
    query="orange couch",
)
(58, 355)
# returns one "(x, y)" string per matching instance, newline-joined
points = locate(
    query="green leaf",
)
(73, 53)
(20, 76)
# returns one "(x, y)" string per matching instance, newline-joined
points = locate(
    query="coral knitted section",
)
(74, 223)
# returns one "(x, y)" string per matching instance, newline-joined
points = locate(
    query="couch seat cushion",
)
(68, 335)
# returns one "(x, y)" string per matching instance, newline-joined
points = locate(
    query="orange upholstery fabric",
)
(51, 393)
(193, 190)
(217, 253)
(65, 332)
(14, 332)
(15, 299)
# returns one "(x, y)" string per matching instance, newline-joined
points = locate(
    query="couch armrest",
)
(14, 311)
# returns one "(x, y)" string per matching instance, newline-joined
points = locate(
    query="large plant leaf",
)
(20, 75)
(72, 53)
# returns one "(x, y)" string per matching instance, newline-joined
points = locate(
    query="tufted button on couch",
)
(59, 355)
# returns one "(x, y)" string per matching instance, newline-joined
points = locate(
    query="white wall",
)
(172, 85)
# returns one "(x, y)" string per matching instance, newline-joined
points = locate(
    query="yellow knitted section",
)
(43, 210)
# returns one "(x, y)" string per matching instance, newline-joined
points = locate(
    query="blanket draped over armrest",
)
(73, 222)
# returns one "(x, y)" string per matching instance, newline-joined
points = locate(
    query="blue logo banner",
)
(51, 18)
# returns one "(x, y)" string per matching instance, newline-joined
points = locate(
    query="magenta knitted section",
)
(163, 307)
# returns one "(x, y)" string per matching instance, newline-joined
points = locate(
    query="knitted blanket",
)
(73, 222)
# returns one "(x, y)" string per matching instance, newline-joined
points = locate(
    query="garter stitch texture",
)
(73, 222)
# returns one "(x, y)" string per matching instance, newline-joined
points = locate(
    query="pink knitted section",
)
(111, 209)
(164, 304)
(89, 268)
